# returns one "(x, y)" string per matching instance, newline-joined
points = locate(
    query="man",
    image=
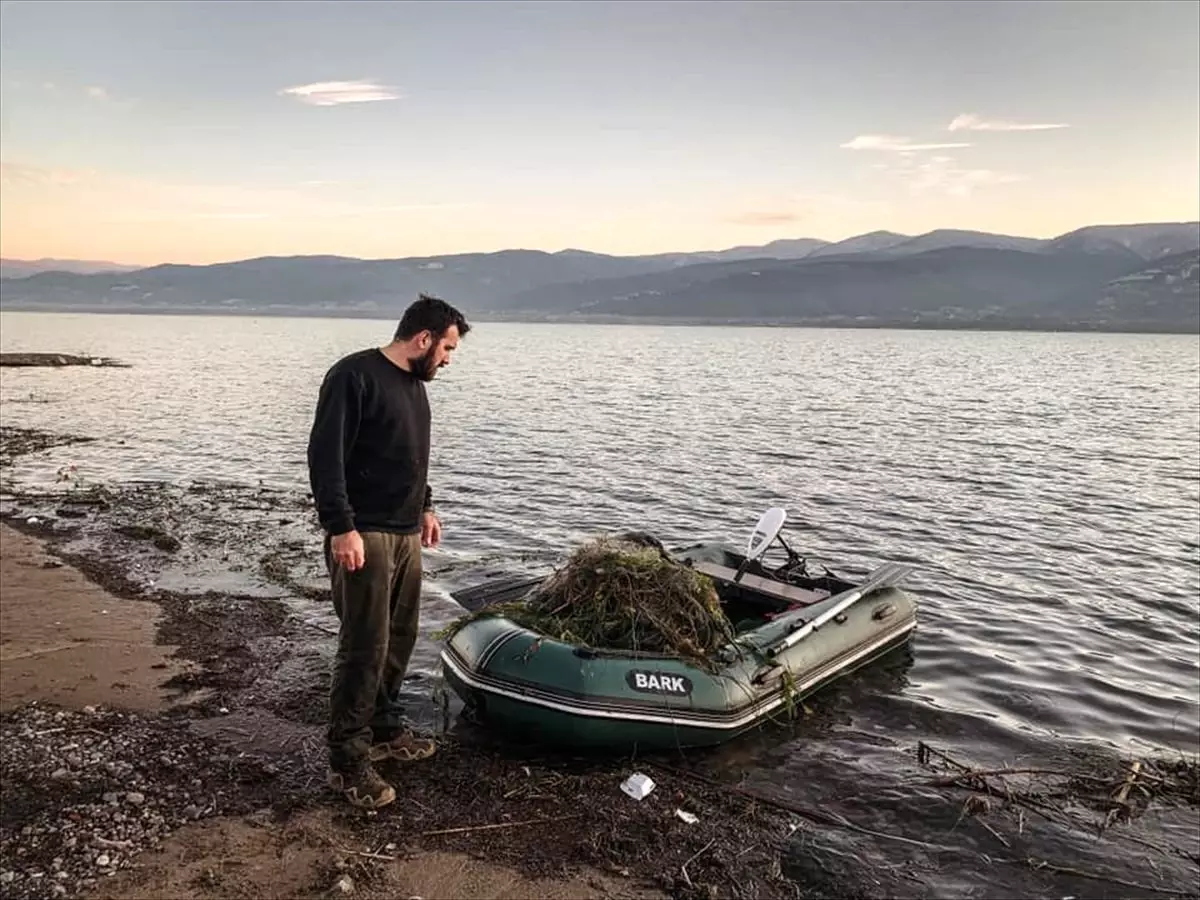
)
(368, 460)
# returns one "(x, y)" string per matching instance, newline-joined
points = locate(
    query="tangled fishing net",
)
(626, 593)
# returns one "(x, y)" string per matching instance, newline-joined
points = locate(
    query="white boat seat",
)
(784, 591)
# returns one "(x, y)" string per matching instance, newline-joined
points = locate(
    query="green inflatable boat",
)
(796, 632)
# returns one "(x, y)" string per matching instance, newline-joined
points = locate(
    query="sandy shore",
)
(66, 642)
(70, 646)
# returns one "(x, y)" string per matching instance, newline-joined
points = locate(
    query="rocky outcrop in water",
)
(57, 360)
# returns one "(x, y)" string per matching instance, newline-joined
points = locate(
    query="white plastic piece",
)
(687, 817)
(765, 532)
(638, 786)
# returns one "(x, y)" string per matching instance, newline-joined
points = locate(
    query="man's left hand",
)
(431, 530)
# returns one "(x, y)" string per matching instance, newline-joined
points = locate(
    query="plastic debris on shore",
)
(638, 786)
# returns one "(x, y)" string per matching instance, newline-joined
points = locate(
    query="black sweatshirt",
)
(368, 452)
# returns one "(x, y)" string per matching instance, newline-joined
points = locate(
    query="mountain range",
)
(1115, 277)
(23, 268)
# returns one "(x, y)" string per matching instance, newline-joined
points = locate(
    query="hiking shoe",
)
(404, 745)
(362, 786)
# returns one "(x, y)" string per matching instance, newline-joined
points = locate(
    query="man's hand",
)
(431, 530)
(348, 551)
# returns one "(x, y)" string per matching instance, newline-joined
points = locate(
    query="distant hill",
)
(788, 248)
(23, 268)
(964, 284)
(1164, 291)
(1103, 276)
(872, 242)
(631, 292)
(320, 284)
(1148, 242)
(945, 238)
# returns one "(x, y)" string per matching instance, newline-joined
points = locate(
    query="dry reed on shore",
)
(625, 593)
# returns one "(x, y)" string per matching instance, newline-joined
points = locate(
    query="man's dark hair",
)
(430, 314)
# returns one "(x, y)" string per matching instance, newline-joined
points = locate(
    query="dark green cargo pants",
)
(379, 610)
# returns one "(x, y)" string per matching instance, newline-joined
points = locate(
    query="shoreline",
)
(243, 780)
(201, 711)
(41, 592)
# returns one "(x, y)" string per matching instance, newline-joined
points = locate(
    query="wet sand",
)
(66, 642)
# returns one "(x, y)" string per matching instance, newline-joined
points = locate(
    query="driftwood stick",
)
(366, 854)
(984, 773)
(924, 751)
(363, 853)
(1019, 799)
(997, 835)
(470, 828)
(1041, 865)
(983, 786)
(1054, 773)
(1122, 797)
(1128, 783)
(111, 845)
(683, 871)
(1165, 851)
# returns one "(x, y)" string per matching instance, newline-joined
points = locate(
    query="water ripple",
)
(1047, 487)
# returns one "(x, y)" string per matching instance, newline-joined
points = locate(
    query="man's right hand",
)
(347, 550)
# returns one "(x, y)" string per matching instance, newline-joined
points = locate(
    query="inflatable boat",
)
(795, 632)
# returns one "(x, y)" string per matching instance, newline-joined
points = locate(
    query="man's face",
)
(436, 352)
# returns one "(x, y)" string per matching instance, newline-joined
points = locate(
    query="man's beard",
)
(423, 366)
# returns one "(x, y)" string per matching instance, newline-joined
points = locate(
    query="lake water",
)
(1045, 486)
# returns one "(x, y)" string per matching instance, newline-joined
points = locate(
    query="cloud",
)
(892, 144)
(764, 217)
(940, 175)
(335, 93)
(973, 122)
(96, 93)
(925, 167)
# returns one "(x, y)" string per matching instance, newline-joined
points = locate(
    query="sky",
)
(201, 132)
